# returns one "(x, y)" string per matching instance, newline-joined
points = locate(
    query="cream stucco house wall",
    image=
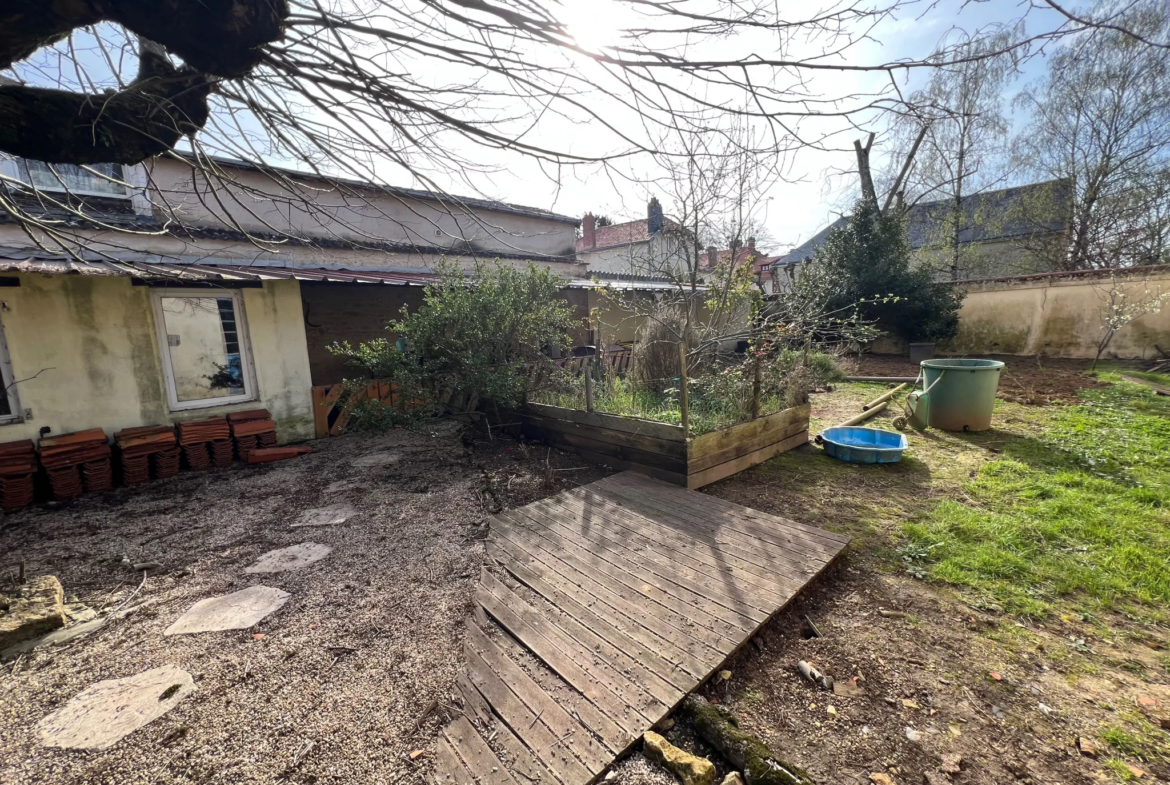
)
(194, 305)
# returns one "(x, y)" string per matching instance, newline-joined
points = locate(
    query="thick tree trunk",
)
(760, 766)
(221, 38)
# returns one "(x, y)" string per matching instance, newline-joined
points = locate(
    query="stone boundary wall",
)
(1058, 315)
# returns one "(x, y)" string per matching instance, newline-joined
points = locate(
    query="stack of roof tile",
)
(198, 439)
(137, 445)
(251, 430)
(77, 461)
(165, 463)
(18, 464)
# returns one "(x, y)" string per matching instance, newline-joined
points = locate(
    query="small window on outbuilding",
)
(9, 402)
(204, 344)
(93, 180)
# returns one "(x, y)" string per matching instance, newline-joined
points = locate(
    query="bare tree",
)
(1101, 121)
(429, 91)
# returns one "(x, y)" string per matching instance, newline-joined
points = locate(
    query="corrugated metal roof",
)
(31, 260)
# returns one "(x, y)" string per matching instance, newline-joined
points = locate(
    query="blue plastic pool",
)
(864, 445)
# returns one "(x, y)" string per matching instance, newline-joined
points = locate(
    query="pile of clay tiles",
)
(77, 462)
(252, 430)
(150, 450)
(206, 443)
(18, 465)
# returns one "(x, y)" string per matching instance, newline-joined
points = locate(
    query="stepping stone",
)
(291, 558)
(377, 459)
(236, 611)
(104, 713)
(325, 516)
(341, 485)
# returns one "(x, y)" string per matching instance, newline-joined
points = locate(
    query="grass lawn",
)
(1056, 509)
(1077, 514)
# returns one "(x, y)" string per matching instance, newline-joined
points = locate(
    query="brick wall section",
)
(354, 312)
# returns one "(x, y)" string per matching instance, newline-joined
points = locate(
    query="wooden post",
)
(756, 388)
(589, 384)
(682, 390)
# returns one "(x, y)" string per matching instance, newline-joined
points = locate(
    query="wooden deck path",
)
(637, 592)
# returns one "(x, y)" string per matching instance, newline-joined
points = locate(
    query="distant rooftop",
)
(989, 216)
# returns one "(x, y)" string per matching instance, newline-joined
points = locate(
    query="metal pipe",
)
(885, 396)
(864, 415)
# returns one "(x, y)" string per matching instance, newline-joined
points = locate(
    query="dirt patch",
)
(334, 686)
(1028, 380)
(941, 680)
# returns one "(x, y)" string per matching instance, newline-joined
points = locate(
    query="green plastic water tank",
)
(964, 396)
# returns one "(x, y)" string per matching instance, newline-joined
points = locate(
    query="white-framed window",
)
(10, 411)
(203, 339)
(93, 180)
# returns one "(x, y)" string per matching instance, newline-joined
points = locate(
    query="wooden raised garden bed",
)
(661, 450)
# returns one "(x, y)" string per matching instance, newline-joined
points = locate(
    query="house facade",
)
(178, 297)
(1007, 232)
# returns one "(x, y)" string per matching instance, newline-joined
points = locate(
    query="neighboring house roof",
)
(990, 216)
(618, 235)
(413, 193)
(196, 270)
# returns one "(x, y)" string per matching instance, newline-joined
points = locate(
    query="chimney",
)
(712, 257)
(751, 246)
(589, 230)
(653, 217)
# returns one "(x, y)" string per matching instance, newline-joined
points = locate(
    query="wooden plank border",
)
(659, 449)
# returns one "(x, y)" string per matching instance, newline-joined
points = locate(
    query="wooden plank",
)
(449, 769)
(716, 441)
(746, 446)
(674, 478)
(618, 720)
(664, 659)
(770, 565)
(569, 738)
(614, 422)
(664, 632)
(764, 575)
(579, 440)
(656, 564)
(595, 633)
(722, 513)
(637, 441)
(708, 476)
(635, 700)
(475, 752)
(475, 708)
(612, 564)
(520, 759)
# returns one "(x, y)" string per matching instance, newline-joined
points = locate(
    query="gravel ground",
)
(334, 687)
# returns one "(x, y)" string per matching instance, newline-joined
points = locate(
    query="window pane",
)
(204, 347)
(59, 177)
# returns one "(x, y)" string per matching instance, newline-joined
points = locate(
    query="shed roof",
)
(226, 271)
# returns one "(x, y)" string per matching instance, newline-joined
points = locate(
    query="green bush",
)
(474, 336)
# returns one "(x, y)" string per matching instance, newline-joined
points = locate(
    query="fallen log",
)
(719, 728)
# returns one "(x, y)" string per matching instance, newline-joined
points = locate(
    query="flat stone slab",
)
(377, 459)
(332, 515)
(342, 485)
(291, 558)
(236, 611)
(106, 712)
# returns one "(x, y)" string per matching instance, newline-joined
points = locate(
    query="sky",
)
(813, 189)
